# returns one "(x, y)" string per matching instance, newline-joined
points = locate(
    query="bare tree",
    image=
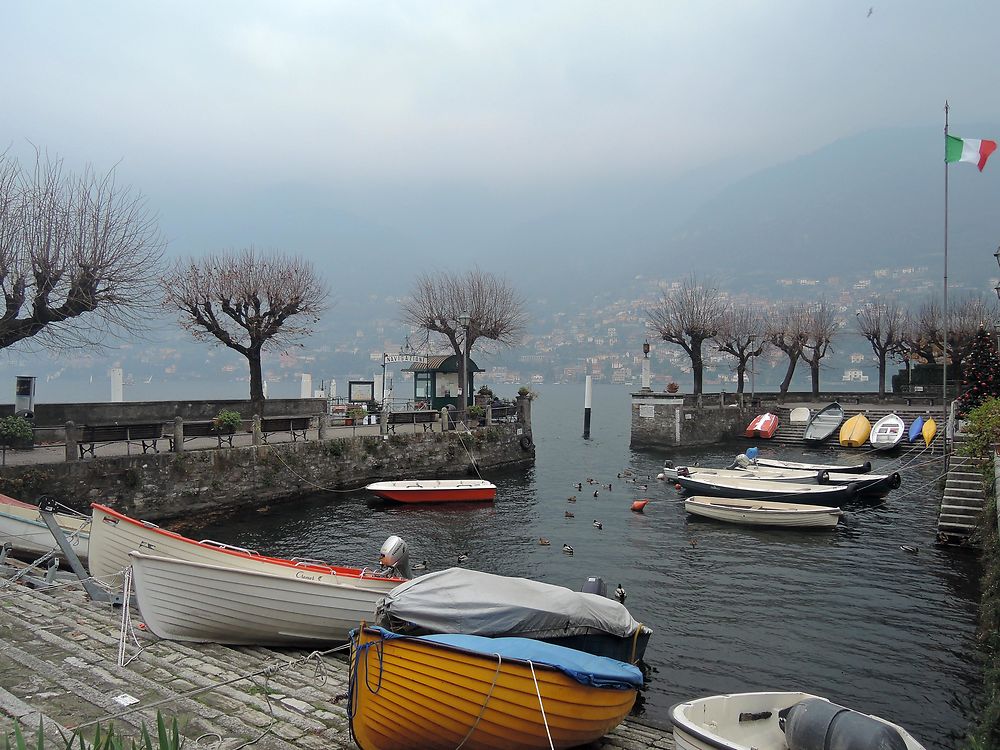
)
(247, 301)
(923, 332)
(821, 325)
(742, 333)
(496, 312)
(79, 256)
(687, 316)
(787, 331)
(884, 324)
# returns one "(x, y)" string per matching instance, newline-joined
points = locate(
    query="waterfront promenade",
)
(60, 666)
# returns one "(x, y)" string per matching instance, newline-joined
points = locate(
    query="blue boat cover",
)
(587, 669)
(916, 428)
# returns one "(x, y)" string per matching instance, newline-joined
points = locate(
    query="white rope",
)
(126, 621)
(539, 694)
(482, 710)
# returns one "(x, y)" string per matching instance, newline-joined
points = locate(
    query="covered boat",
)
(763, 426)
(887, 432)
(435, 490)
(855, 431)
(22, 527)
(781, 721)
(815, 494)
(763, 512)
(823, 423)
(192, 601)
(440, 692)
(457, 600)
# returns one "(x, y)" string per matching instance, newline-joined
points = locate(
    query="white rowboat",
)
(21, 526)
(762, 513)
(781, 721)
(887, 432)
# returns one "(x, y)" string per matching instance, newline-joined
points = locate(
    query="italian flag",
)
(968, 149)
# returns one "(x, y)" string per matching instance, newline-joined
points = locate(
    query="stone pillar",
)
(256, 429)
(489, 414)
(72, 454)
(444, 419)
(647, 376)
(178, 434)
(383, 421)
(323, 422)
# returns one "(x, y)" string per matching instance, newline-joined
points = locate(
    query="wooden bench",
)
(194, 430)
(90, 436)
(426, 419)
(295, 425)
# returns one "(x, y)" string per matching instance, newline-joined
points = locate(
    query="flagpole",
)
(944, 366)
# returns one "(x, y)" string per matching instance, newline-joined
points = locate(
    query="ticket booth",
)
(435, 384)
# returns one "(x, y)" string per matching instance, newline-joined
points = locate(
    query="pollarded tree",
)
(821, 325)
(495, 310)
(788, 330)
(742, 333)
(884, 324)
(688, 315)
(246, 301)
(79, 256)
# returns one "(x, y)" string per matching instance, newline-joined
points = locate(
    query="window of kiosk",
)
(422, 385)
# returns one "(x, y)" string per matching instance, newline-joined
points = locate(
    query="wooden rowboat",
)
(435, 490)
(114, 535)
(440, 692)
(778, 721)
(855, 431)
(762, 513)
(22, 527)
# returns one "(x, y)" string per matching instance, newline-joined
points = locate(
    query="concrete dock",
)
(59, 665)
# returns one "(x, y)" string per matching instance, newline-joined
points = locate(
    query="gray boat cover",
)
(457, 600)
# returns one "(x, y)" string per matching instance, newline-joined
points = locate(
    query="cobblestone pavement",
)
(58, 665)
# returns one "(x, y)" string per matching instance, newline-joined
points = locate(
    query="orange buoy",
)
(638, 505)
(677, 486)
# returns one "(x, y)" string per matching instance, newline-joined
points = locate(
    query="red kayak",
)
(763, 426)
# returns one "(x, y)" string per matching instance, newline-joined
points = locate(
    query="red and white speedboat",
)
(763, 426)
(435, 490)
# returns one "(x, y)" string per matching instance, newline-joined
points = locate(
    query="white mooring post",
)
(588, 388)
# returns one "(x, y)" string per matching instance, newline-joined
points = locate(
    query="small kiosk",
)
(435, 384)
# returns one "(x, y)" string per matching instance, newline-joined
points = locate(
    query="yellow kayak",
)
(855, 431)
(929, 431)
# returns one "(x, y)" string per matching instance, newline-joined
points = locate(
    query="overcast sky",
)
(489, 92)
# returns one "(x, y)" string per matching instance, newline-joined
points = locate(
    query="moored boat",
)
(814, 494)
(114, 535)
(855, 431)
(781, 721)
(916, 429)
(928, 431)
(763, 426)
(762, 512)
(192, 601)
(862, 468)
(887, 432)
(448, 691)
(823, 423)
(799, 415)
(434, 490)
(457, 600)
(22, 526)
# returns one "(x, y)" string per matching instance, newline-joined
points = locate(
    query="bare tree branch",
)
(742, 333)
(884, 324)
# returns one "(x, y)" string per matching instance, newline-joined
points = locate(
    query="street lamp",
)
(753, 358)
(464, 319)
(645, 346)
(997, 287)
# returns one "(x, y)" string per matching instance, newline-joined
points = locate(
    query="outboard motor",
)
(595, 585)
(741, 462)
(816, 724)
(394, 557)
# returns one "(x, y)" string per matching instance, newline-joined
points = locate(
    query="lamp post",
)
(464, 320)
(753, 359)
(997, 287)
(646, 376)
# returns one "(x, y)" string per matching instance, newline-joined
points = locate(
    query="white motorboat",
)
(114, 535)
(759, 489)
(762, 512)
(781, 721)
(22, 527)
(182, 600)
(887, 432)
(774, 463)
(435, 490)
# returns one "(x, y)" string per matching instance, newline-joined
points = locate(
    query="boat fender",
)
(823, 477)
(896, 480)
(525, 442)
(816, 724)
(867, 467)
(851, 490)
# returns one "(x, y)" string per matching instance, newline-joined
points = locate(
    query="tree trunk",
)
(792, 361)
(256, 382)
(814, 375)
(881, 374)
(741, 369)
(697, 364)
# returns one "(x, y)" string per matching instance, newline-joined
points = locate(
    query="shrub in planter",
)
(227, 421)
(477, 413)
(16, 432)
(672, 387)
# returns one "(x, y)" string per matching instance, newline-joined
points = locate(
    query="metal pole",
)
(383, 381)
(944, 359)
(587, 392)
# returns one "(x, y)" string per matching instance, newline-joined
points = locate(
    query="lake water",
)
(845, 614)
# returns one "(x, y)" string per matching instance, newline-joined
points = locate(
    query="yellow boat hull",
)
(406, 692)
(929, 431)
(855, 431)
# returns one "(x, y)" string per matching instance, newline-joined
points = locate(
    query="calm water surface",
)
(845, 614)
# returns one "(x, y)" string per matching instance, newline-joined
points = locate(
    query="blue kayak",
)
(916, 428)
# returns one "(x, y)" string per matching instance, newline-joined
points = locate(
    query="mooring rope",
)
(545, 721)
(482, 710)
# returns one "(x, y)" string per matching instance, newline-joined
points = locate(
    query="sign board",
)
(360, 391)
(419, 358)
(647, 411)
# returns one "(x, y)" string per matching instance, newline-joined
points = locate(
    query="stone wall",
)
(170, 485)
(669, 421)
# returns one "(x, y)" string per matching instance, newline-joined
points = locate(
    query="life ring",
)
(525, 442)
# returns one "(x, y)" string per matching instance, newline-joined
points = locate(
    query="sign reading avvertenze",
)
(421, 358)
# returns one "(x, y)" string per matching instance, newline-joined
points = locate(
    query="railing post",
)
(383, 421)
(256, 429)
(71, 441)
(444, 419)
(489, 414)
(179, 434)
(324, 421)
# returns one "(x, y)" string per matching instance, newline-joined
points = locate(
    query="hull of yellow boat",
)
(855, 431)
(929, 431)
(407, 692)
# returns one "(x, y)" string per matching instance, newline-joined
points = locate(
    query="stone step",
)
(956, 528)
(951, 489)
(964, 502)
(971, 484)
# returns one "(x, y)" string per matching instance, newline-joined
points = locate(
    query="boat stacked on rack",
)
(24, 529)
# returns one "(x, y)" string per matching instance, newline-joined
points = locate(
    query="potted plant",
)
(477, 414)
(672, 387)
(16, 432)
(227, 421)
(484, 396)
(355, 415)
